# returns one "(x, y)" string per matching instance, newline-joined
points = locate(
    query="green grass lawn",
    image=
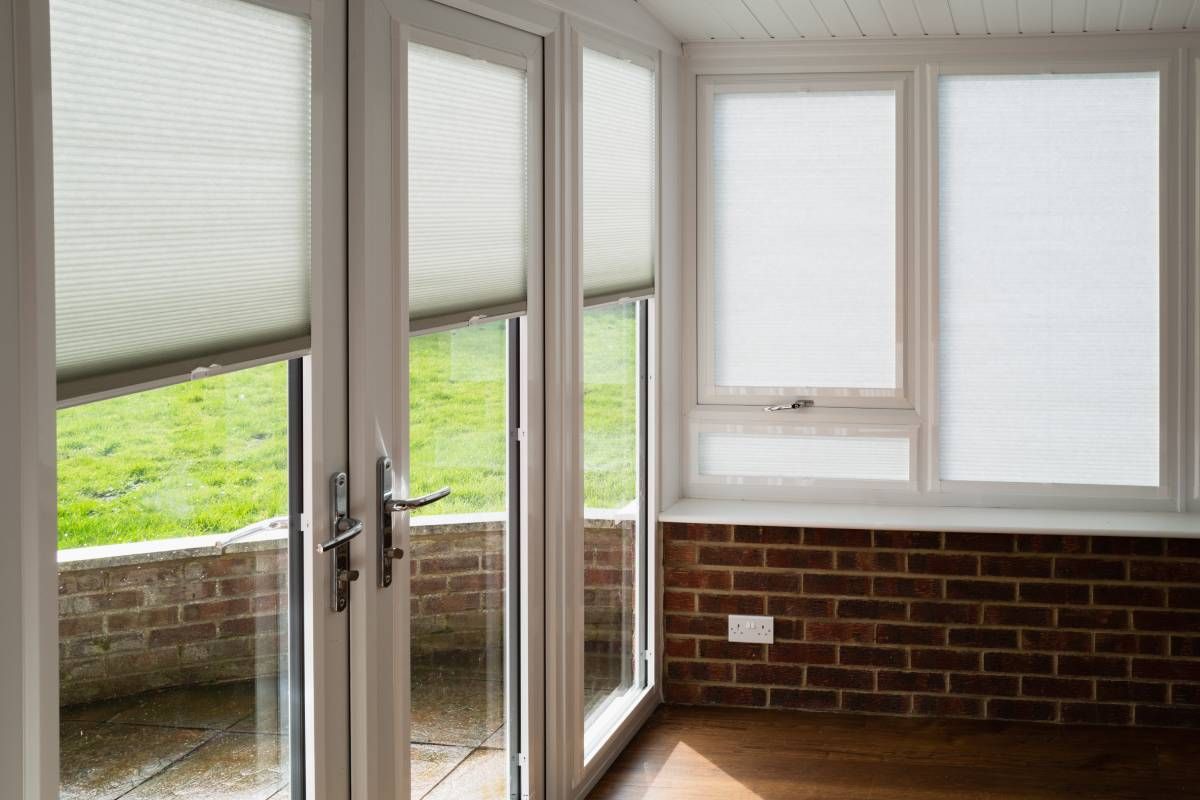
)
(210, 456)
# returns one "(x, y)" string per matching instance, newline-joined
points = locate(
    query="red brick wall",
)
(1028, 627)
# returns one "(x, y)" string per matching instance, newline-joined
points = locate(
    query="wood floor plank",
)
(745, 754)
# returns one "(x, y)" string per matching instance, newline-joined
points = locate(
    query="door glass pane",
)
(1048, 278)
(611, 513)
(459, 554)
(804, 239)
(173, 649)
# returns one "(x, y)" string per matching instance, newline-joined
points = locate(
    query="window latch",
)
(798, 404)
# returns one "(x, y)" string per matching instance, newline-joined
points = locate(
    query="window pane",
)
(611, 448)
(467, 185)
(1049, 263)
(741, 455)
(618, 176)
(174, 652)
(804, 239)
(182, 172)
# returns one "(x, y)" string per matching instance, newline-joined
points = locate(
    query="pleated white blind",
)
(1049, 264)
(468, 209)
(803, 204)
(618, 152)
(181, 186)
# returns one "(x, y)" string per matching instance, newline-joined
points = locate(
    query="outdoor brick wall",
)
(134, 622)
(1095, 630)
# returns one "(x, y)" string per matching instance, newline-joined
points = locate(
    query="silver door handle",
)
(347, 529)
(391, 505)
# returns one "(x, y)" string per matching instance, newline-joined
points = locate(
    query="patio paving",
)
(224, 742)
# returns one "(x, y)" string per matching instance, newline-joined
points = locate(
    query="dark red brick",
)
(1015, 567)
(740, 651)
(1168, 716)
(1165, 669)
(1183, 548)
(770, 674)
(732, 603)
(1060, 593)
(1089, 569)
(962, 613)
(959, 660)
(1181, 597)
(836, 584)
(1035, 686)
(1126, 546)
(766, 534)
(1181, 621)
(803, 699)
(981, 590)
(989, 685)
(802, 653)
(679, 648)
(1131, 644)
(1126, 595)
(1028, 663)
(766, 582)
(679, 601)
(697, 579)
(836, 537)
(700, 533)
(794, 606)
(925, 588)
(731, 556)
(1131, 691)
(1096, 714)
(861, 632)
(935, 706)
(943, 564)
(870, 561)
(1186, 646)
(1093, 666)
(1165, 571)
(1064, 641)
(1051, 543)
(689, 625)
(839, 678)
(1029, 710)
(910, 634)
(908, 540)
(872, 656)
(981, 542)
(1019, 616)
(875, 703)
(896, 681)
(991, 638)
(871, 609)
(792, 558)
(1093, 618)
(699, 671)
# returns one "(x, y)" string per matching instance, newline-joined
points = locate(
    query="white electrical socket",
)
(759, 630)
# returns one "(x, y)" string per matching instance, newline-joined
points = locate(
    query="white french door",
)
(457, 272)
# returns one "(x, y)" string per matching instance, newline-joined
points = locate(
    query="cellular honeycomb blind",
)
(1049, 287)
(182, 187)
(618, 108)
(803, 208)
(817, 457)
(468, 210)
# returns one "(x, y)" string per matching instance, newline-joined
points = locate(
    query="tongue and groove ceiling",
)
(732, 20)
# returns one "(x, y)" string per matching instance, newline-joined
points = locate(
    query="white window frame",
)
(836, 397)
(1176, 58)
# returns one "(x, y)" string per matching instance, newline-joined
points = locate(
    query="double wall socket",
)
(759, 630)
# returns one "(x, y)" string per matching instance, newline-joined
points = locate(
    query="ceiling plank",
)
(903, 18)
(935, 17)
(1001, 16)
(1068, 16)
(870, 18)
(1193, 20)
(1136, 15)
(805, 19)
(1034, 16)
(1171, 15)
(838, 18)
(771, 16)
(1102, 15)
(969, 19)
(737, 16)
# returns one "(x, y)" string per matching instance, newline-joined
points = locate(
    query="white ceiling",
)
(730, 20)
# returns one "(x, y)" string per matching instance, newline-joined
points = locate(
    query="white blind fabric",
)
(804, 239)
(468, 206)
(181, 184)
(851, 458)
(1049, 288)
(618, 153)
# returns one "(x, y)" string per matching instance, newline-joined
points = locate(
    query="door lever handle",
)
(391, 505)
(347, 529)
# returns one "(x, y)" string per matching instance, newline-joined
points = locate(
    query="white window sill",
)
(910, 518)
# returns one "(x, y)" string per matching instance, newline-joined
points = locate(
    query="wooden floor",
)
(736, 754)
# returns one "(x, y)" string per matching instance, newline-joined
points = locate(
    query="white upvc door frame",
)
(28, 673)
(380, 31)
